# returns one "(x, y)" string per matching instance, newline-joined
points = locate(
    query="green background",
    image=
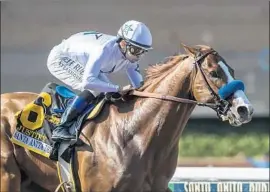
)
(211, 137)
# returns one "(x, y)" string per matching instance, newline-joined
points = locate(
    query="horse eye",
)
(214, 74)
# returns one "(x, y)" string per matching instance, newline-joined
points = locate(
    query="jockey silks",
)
(83, 60)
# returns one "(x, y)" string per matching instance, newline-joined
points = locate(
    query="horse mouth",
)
(235, 123)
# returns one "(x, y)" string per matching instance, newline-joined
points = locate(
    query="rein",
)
(220, 106)
(170, 98)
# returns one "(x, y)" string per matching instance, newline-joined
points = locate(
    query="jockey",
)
(84, 59)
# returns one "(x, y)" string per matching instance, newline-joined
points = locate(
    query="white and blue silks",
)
(83, 61)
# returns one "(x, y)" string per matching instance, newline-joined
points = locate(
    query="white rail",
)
(220, 173)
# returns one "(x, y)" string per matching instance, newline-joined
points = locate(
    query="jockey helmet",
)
(138, 38)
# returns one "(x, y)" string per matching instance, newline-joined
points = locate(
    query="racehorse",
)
(134, 141)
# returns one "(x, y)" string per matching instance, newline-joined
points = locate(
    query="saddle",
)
(37, 120)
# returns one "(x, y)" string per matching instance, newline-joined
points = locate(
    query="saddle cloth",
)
(37, 120)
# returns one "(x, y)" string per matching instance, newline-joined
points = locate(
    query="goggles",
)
(134, 50)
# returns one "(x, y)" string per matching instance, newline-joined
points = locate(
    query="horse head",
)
(214, 82)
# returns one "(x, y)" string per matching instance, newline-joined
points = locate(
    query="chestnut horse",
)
(135, 140)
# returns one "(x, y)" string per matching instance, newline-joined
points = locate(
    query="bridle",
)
(221, 106)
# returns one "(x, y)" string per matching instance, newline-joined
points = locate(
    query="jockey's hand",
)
(124, 90)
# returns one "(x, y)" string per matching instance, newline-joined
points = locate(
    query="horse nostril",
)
(242, 111)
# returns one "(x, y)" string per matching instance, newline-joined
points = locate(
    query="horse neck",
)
(165, 120)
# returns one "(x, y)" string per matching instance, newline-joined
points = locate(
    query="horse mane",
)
(156, 72)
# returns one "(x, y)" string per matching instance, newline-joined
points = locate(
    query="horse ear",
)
(189, 50)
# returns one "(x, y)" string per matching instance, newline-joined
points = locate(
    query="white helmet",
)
(136, 33)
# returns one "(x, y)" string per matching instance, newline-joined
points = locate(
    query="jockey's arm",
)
(135, 76)
(104, 77)
(91, 77)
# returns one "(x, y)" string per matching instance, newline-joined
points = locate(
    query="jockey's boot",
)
(77, 106)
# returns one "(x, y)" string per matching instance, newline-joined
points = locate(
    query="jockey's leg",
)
(76, 108)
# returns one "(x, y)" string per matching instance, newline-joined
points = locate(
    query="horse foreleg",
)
(166, 171)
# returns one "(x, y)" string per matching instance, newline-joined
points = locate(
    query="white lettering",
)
(32, 142)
